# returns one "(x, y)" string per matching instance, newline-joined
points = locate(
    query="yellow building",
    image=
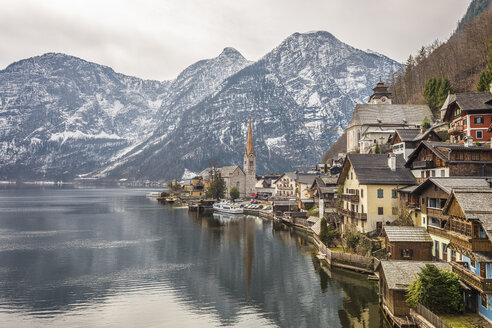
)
(370, 183)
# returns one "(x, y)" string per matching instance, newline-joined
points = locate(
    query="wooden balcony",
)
(284, 187)
(469, 243)
(423, 164)
(471, 278)
(438, 232)
(456, 130)
(353, 214)
(350, 198)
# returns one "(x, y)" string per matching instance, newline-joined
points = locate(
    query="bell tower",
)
(250, 163)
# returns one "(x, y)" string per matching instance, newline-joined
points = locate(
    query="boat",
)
(153, 194)
(228, 208)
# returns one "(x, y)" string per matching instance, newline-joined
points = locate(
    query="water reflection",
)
(69, 252)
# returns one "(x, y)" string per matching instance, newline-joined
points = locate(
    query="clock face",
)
(383, 99)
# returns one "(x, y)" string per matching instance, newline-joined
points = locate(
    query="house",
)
(285, 185)
(324, 191)
(370, 183)
(394, 279)
(469, 115)
(195, 188)
(282, 206)
(304, 193)
(443, 159)
(407, 243)
(430, 198)
(377, 121)
(470, 232)
(404, 141)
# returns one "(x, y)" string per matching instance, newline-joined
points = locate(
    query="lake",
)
(93, 257)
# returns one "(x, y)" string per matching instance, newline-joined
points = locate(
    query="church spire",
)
(249, 142)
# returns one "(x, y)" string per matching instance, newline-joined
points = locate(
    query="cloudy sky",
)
(156, 39)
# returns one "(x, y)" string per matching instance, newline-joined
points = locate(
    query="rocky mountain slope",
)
(61, 116)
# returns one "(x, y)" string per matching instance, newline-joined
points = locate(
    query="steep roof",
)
(291, 175)
(374, 169)
(407, 234)
(400, 274)
(249, 142)
(407, 134)
(470, 102)
(306, 178)
(227, 171)
(394, 114)
(442, 149)
(450, 183)
(476, 204)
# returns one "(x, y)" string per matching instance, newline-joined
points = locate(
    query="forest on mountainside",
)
(474, 9)
(461, 59)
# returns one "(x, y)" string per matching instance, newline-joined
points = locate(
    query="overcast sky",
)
(156, 39)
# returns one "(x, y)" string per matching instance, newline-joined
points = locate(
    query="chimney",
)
(422, 130)
(392, 162)
(468, 141)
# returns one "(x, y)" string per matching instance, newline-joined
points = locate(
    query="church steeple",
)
(249, 141)
(381, 94)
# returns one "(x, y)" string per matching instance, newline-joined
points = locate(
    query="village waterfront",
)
(85, 257)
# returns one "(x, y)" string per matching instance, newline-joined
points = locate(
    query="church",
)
(244, 179)
(375, 122)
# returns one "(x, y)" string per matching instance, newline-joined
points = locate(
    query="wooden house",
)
(407, 243)
(470, 232)
(394, 279)
(404, 141)
(469, 115)
(442, 159)
(324, 191)
(429, 199)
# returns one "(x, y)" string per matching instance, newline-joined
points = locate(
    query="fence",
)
(430, 316)
(334, 258)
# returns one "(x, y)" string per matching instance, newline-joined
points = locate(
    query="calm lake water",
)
(113, 258)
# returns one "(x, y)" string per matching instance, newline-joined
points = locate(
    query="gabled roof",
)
(407, 134)
(400, 274)
(307, 178)
(291, 175)
(448, 184)
(391, 114)
(373, 169)
(407, 234)
(227, 171)
(470, 102)
(442, 149)
(476, 204)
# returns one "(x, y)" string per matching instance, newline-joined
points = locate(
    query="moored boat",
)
(229, 208)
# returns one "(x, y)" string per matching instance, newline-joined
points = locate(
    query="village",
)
(412, 188)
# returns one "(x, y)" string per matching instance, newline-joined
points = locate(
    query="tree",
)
(438, 290)
(426, 123)
(486, 76)
(217, 187)
(377, 149)
(328, 234)
(436, 91)
(234, 193)
(404, 218)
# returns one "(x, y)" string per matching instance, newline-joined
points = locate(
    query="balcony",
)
(471, 244)
(353, 214)
(471, 278)
(284, 187)
(438, 232)
(427, 164)
(350, 198)
(456, 130)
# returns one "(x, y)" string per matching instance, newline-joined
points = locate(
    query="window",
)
(427, 174)
(444, 249)
(393, 193)
(433, 173)
(422, 174)
(362, 193)
(432, 202)
(380, 193)
(475, 156)
(362, 208)
(380, 211)
(351, 176)
(423, 220)
(406, 253)
(459, 156)
(443, 173)
(478, 120)
(479, 134)
(464, 121)
(483, 300)
(473, 264)
(443, 202)
(394, 210)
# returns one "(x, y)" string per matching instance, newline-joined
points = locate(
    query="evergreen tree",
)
(436, 91)
(486, 76)
(426, 123)
(438, 290)
(234, 193)
(377, 149)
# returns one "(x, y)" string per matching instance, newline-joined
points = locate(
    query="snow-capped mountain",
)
(61, 116)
